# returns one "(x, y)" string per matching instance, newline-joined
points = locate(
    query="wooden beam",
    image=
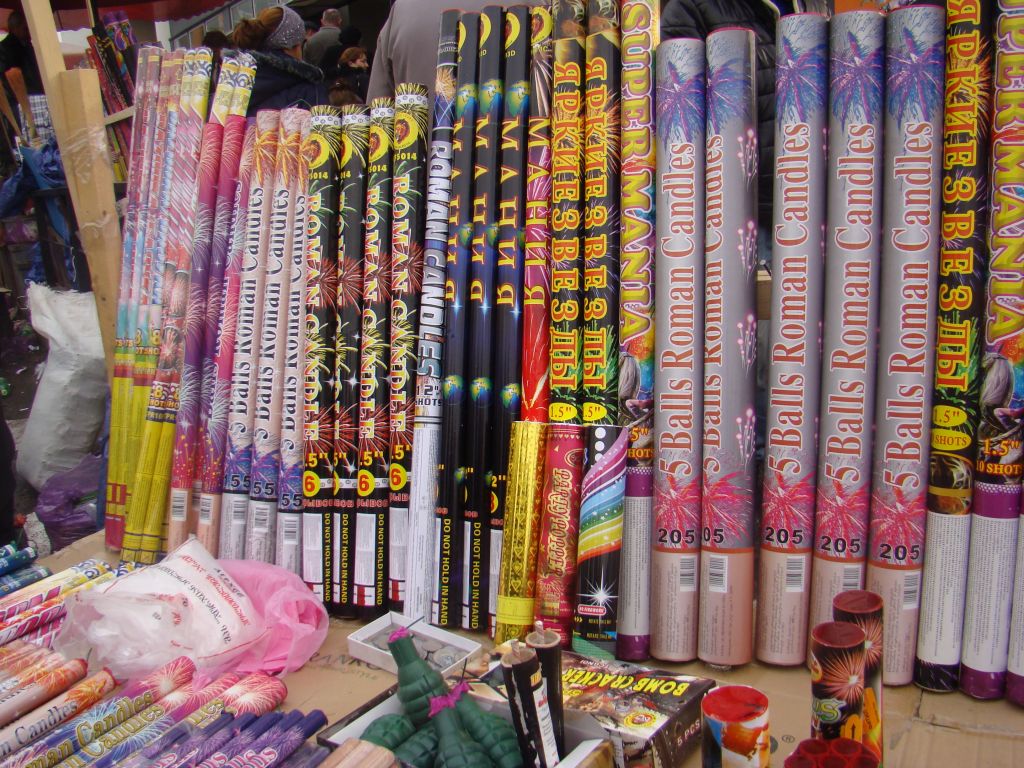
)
(125, 114)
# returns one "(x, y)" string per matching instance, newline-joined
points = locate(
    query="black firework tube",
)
(548, 646)
(963, 263)
(355, 127)
(508, 292)
(407, 231)
(419, 572)
(483, 264)
(372, 497)
(528, 699)
(447, 596)
(321, 318)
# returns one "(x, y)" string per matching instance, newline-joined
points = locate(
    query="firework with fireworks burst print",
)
(248, 332)
(730, 203)
(40, 689)
(915, 39)
(423, 475)
(787, 522)
(865, 610)
(836, 661)
(678, 349)
(963, 262)
(854, 204)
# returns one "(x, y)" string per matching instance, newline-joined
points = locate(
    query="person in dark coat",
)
(283, 79)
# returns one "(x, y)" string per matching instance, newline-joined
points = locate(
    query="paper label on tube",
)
(942, 600)
(987, 618)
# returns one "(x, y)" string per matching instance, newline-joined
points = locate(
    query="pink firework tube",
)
(55, 711)
(31, 667)
(222, 304)
(46, 612)
(915, 76)
(679, 351)
(991, 604)
(45, 635)
(16, 703)
(248, 334)
(794, 348)
(639, 30)
(51, 587)
(730, 258)
(852, 246)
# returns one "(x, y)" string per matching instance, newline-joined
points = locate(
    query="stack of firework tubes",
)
(111, 53)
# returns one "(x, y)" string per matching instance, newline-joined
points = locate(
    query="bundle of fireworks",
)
(811, 753)
(106, 54)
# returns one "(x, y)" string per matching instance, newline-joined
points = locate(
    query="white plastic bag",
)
(185, 605)
(67, 411)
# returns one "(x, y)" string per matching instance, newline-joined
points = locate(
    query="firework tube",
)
(54, 712)
(250, 741)
(675, 556)
(506, 391)
(997, 490)
(735, 724)
(17, 560)
(48, 611)
(536, 299)
(851, 300)
(306, 756)
(730, 251)
(548, 647)
(18, 580)
(248, 335)
(407, 233)
(42, 689)
(787, 522)
(865, 610)
(563, 468)
(27, 674)
(1015, 654)
(181, 739)
(261, 518)
(370, 575)
(339, 558)
(446, 597)
(284, 742)
(191, 754)
(836, 660)
(420, 552)
(517, 578)
(910, 254)
(962, 264)
(245, 731)
(318, 479)
(637, 204)
(528, 698)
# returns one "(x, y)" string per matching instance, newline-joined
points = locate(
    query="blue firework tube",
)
(19, 579)
(17, 560)
(446, 600)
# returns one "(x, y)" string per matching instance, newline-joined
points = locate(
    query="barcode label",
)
(718, 573)
(239, 509)
(179, 505)
(205, 509)
(911, 590)
(688, 573)
(261, 518)
(289, 529)
(795, 573)
(851, 577)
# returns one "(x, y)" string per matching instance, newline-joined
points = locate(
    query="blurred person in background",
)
(354, 69)
(324, 38)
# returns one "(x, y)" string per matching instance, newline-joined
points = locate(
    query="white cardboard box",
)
(359, 646)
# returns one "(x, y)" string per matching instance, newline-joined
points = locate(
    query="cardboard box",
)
(360, 644)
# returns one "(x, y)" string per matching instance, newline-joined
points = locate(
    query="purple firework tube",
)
(794, 348)
(906, 351)
(961, 295)
(679, 350)
(852, 247)
(730, 259)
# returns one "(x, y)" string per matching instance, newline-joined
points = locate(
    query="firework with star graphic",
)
(915, 38)
(851, 301)
(678, 349)
(865, 609)
(836, 661)
(248, 332)
(727, 506)
(958, 380)
(787, 521)
(423, 475)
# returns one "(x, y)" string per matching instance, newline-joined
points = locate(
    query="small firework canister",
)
(864, 609)
(528, 699)
(730, 324)
(679, 340)
(734, 719)
(548, 646)
(836, 661)
(834, 753)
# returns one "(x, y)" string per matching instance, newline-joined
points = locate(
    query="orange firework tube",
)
(836, 661)
(16, 703)
(735, 726)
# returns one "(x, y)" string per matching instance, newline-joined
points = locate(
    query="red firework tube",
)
(735, 727)
(813, 748)
(339, 544)
(852, 245)
(506, 391)
(370, 564)
(997, 491)
(411, 118)
(537, 268)
(730, 322)
(637, 203)
(679, 339)
(865, 610)
(963, 260)
(794, 348)
(446, 600)
(906, 351)
(321, 318)
(799, 761)
(836, 661)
